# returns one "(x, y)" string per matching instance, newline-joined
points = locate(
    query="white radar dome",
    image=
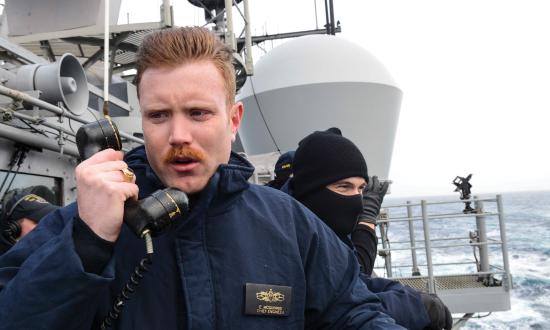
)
(316, 82)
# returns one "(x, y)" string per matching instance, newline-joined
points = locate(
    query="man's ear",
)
(235, 117)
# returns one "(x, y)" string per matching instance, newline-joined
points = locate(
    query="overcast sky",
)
(475, 77)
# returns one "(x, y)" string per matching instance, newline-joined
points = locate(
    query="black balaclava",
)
(338, 211)
(323, 158)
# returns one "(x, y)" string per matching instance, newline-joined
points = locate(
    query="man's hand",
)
(373, 196)
(439, 314)
(102, 189)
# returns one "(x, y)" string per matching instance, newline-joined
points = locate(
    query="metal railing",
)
(478, 240)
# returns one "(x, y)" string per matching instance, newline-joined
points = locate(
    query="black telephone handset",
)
(154, 213)
(146, 217)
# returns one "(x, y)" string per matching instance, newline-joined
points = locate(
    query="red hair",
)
(176, 46)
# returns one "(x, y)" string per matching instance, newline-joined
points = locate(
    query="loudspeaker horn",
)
(62, 81)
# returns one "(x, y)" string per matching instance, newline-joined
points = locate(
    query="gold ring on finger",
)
(128, 174)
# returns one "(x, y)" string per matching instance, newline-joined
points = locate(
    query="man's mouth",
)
(184, 159)
(183, 164)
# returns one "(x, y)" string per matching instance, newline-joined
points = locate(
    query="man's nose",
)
(180, 132)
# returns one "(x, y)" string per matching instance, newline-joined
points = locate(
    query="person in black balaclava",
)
(364, 235)
(283, 170)
(330, 178)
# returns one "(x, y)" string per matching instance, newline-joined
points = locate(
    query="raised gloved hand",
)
(439, 314)
(373, 196)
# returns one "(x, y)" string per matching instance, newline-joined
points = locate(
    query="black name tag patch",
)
(267, 299)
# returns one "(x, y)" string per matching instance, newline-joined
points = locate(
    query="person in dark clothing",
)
(244, 257)
(22, 210)
(364, 235)
(283, 170)
(330, 176)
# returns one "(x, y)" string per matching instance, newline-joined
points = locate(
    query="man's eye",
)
(156, 116)
(199, 114)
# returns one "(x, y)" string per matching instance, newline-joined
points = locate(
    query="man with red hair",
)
(245, 257)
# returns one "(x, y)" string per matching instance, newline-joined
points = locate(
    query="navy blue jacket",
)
(236, 233)
(401, 302)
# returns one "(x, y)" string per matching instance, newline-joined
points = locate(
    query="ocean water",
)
(527, 221)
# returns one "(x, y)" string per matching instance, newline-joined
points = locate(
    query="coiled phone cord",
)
(132, 283)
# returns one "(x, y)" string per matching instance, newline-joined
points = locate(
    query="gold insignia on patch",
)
(267, 300)
(270, 296)
(34, 198)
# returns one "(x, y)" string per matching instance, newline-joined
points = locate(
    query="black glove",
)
(439, 314)
(373, 196)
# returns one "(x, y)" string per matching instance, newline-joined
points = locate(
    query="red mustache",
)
(184, 152)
